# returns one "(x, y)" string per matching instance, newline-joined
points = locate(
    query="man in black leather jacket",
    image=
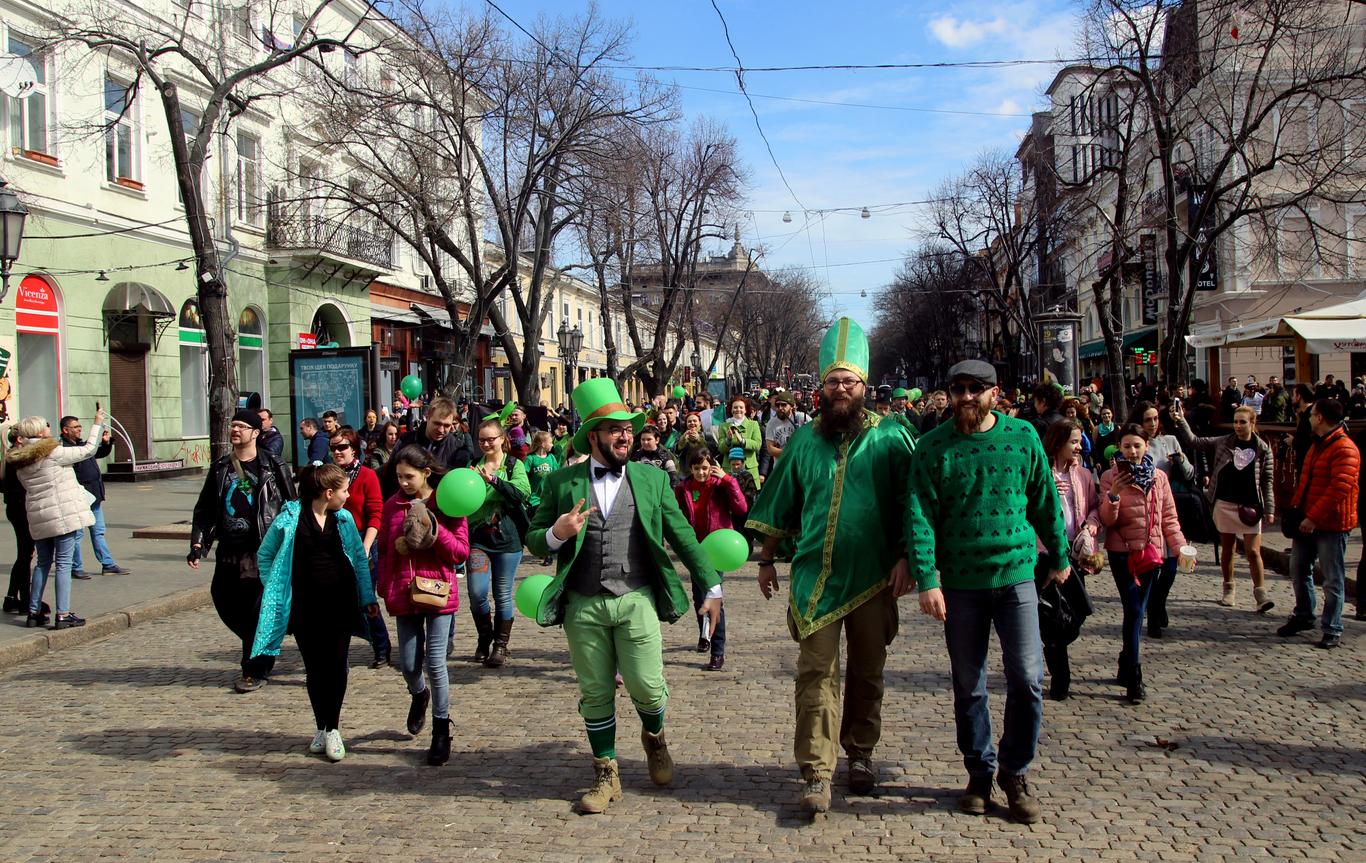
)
(242, 494)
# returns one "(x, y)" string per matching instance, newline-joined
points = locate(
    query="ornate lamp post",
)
(12, 215)
(571, 342)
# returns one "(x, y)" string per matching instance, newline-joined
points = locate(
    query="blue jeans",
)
(1014, 611)
(375, 630)
(484, 567)
(422, 643)
(97, 542)
(1330, 549)
(1134, 598)
(58, 550)
(718, 638)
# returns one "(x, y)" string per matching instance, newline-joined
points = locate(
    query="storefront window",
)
(251, 374)
(194, 373)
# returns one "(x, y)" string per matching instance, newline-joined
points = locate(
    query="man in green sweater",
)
(980, 492)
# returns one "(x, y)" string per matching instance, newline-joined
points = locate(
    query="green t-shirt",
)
(976, 504)
(538, 467)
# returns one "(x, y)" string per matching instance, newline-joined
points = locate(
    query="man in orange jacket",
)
(1326, 495)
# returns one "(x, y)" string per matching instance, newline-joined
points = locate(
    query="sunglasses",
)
(975, 388)
(340, 447)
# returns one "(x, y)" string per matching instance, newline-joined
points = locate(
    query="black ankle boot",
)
(1136, 691)
(483, 625)
(15, 605)
(440, 752)
(417, 711)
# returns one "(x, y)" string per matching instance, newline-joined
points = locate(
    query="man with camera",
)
(242, 494)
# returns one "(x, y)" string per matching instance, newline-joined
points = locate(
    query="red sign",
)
(36, 307)
(308, 341)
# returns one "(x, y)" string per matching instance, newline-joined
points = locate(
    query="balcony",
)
(330, 238)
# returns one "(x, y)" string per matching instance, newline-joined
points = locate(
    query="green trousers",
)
(608, 634)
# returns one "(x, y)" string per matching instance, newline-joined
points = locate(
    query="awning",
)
(1144, 338)
(136, 298)
(1328, 330)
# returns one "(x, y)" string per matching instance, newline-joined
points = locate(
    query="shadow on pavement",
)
(1274, 756)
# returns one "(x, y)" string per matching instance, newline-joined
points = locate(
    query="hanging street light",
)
(12, 216)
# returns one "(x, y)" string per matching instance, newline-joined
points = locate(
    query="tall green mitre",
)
(845, 347)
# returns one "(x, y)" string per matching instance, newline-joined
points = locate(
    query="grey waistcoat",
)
(615, 556)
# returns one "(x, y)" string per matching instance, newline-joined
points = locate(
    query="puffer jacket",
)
(1327, 489)
(397, 571)
(55, 501)
(1219, 450)
(277, 487)
(1139, 519)
(275, 560)
(1085, 505)
(725, 501)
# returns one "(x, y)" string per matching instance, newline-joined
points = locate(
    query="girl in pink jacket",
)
(710, 499)
(417, 541)
(1137, 507)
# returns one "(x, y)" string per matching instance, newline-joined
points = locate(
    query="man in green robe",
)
(837, 492)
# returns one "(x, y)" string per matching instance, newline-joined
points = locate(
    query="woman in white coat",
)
(58, 508)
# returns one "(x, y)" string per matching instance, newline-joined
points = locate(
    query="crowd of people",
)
(994, 504)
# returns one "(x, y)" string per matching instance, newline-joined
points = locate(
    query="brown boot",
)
(1024, 808)
(483, 625)
(499, 655)
(606, 787)
(657, 756)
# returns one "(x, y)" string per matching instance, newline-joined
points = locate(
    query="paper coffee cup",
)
(1186, 561)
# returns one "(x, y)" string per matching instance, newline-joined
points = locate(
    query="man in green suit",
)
(607, 521)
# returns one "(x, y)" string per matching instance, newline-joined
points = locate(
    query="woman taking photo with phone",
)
(1137, 507)
(1240, 486)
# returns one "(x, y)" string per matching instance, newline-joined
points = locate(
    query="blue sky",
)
(838, 155)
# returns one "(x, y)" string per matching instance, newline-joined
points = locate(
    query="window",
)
(351, 68)
(194, 373)
(189, 121)
(251, 374)
(248, 179)
(28, 119)
(1356, 242)
(241, 23)
(120, 138)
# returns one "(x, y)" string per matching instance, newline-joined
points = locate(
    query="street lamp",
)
(12, 215)
(571, 342)
(698, 371)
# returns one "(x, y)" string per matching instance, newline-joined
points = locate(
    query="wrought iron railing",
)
(329, 236)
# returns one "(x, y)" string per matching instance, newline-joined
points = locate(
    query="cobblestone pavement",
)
(134, 747)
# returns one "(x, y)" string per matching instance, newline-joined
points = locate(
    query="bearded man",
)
(847, 532)
(980, 491)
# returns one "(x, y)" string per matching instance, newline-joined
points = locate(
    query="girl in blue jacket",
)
(315, 579)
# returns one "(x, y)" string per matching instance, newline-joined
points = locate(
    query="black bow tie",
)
(600, 472)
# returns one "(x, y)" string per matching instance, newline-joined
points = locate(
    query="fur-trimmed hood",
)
(31, 453)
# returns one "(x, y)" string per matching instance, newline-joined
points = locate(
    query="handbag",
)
(1150, 558)
(1249, 515)
(429, 594)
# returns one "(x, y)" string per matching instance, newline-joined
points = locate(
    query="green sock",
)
(602, 736)
(654, 721)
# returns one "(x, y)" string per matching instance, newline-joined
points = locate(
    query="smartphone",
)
(1123, 465)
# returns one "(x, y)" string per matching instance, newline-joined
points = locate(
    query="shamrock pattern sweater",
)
(976, 504)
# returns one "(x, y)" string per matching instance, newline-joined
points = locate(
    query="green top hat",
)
(597, 399)
(502, 415)
(845, 347)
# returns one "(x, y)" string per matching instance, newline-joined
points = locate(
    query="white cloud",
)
(958, 33)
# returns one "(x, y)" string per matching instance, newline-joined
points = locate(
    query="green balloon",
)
(529, 593)
(461, 492)
(411, 386)
(726, 549)
(915, 393)
(1110, 453)
(679, 392)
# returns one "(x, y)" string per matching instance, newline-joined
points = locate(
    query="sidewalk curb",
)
(20, 650)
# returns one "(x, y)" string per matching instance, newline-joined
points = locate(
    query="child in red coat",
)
(711, 500)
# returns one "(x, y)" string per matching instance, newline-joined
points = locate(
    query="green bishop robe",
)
(843, 504)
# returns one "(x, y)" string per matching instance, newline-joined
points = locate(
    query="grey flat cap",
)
(976, 369)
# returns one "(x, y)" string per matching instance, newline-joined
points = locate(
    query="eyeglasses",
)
(842, 383)
(962, 388)
(239, 427)
(340, 447)
(490, 440)
(618, 431)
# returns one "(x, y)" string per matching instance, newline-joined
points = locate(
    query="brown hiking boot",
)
(657, 756)
(976, 797)
(816, 796)
(862, 776)
(606, 787)
(1024, 809)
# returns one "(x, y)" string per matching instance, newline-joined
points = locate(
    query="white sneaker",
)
(316, 747)
(332, 745)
